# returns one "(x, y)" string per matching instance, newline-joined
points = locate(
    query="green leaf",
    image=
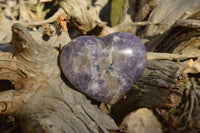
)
(116, 9)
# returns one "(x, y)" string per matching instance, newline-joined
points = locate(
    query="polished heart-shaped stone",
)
(104, 68)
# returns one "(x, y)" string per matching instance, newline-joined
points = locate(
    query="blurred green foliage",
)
(116, 11)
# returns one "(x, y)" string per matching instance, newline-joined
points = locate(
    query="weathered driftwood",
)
(164, 81)
(167, 13)
(43, 99)
(159, 87)
(40, 97)
(139, 17)
(83, 14)
(37, 93)
(182, 37)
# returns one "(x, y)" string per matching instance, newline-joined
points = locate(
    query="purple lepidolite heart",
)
(104, 68)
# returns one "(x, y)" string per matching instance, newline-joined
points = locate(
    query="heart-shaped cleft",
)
(104, 68)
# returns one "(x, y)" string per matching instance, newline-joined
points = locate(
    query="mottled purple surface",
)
(104, 68)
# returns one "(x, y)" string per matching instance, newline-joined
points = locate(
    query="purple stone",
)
(104, 68)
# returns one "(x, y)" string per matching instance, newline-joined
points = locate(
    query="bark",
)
(164, 79)
(159, 87)
(182, 37)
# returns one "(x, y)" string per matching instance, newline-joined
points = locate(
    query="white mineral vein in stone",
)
(110, 54)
